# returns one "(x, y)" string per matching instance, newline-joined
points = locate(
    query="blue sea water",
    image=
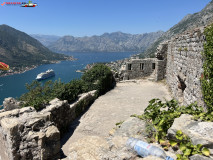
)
(14, 85)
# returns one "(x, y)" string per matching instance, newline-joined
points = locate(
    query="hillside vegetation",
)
(19, 49)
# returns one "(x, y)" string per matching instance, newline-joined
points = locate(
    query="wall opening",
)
(153, 65)
(181, 84)
(129, 67)
(141, 66)
(181, 88)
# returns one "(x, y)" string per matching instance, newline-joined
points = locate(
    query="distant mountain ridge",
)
(46, 40)
(107, 42)
(190, 21)
(19, 49)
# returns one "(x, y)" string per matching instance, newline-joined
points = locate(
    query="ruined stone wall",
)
(139, 68)
(184, 66)
(137, 71)
(160, 70)
(26, 134)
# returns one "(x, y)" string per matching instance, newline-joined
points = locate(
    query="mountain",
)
(108, 42)
(46, 40)
(190, 21)
(20, 50)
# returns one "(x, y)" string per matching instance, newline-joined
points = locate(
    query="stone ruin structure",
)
(26, 134)
(153, 67)
(179, 60)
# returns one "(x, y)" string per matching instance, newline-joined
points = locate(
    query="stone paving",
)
(127, 98)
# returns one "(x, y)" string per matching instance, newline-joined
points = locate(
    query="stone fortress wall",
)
(185, 66)
(179, 61)
(26, 134)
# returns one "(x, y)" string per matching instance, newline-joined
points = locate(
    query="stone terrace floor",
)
(127, 98)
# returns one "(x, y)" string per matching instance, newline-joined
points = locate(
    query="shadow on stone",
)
(70, 131)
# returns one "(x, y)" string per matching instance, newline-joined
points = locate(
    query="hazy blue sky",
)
(89, 17)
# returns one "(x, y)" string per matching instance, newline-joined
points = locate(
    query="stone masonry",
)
(26, 134)
(179, 61)
(184, 66)
(154, 67)
(139, 68)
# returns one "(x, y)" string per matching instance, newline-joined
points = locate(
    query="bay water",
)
(14, 85)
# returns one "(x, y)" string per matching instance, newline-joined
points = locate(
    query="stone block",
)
(10, 125)
(11, 103)
(199, 157)
(53, 133)
(198, 132)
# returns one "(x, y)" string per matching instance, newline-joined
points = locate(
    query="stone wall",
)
(160, 70)
(139, 68)
(184, 66)
(179, 61)
(153, 67)
(26, 134)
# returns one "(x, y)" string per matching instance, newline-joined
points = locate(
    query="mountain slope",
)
(108, 42)
(19, 49)
(46, 40)
(190, 21)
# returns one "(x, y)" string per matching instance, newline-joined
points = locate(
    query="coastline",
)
(19, 72)
(28, 68)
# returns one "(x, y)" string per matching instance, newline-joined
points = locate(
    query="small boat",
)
(44, 75)
(78, 71)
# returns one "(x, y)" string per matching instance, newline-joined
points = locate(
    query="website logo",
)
(21, 4)
(29, 4)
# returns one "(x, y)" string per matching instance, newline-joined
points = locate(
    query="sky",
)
(95, 17)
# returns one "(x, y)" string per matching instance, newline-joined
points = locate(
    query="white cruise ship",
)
(44, 75)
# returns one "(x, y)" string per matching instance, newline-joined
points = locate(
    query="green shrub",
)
(207, 77)
(39, 95)
(99, 78)
(71, 90)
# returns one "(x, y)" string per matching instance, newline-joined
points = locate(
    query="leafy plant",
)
(162, 114)
(71, 90)
(184, 144)
(185, 49)
(99, 77)
(207, 77)
(39, 95)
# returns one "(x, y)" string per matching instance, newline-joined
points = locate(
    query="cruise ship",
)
(44, 75)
